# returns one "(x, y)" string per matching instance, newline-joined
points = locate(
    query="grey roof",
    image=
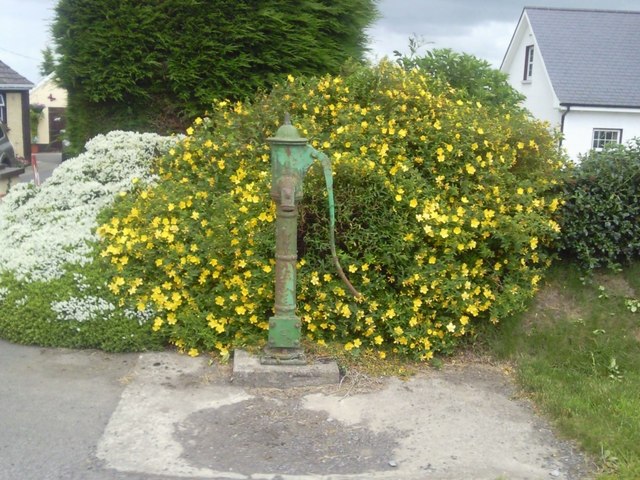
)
(592, 56)
(12, 80)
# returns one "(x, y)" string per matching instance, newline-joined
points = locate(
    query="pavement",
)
(77, 414)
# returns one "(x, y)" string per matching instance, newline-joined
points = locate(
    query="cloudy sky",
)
(480, 27)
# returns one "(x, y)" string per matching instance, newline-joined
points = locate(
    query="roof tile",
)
(8, 76)
(592, 56)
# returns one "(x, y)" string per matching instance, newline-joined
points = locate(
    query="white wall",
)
(540, 100)
(580, 122)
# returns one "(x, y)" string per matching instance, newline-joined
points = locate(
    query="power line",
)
(19, 54)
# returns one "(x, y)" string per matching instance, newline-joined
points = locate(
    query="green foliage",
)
(35, 115)
(463, 71)
(48, 64)
(29, 314)
(601, 217)
(149, 65)
(442, 218)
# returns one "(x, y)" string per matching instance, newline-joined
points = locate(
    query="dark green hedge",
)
(153, 64)
(601, 217)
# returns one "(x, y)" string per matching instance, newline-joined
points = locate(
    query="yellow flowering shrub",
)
(443, 218)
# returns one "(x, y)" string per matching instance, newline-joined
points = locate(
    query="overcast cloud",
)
(480, 27)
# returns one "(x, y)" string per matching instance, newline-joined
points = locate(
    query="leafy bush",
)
(601, 217)
(465, 72)
(442, 218)
(51, 291)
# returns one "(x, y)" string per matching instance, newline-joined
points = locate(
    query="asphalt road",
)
(54, 407)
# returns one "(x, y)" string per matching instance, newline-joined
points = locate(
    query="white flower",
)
(82, 309)
(44, 229)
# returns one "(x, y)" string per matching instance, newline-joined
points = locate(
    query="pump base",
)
(283, 356)
(249, 372)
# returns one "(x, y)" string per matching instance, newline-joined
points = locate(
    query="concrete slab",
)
(181, 417)
(249, 372)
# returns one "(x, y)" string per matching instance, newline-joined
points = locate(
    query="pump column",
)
(289, 161)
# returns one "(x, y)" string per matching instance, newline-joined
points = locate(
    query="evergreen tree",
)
(48, 64)
(154, 64)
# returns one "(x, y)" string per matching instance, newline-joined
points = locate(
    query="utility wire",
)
(18, 54)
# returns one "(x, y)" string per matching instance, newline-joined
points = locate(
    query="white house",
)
(580, 71)
(54, 99)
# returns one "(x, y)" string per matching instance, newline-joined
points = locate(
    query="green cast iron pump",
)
(291, 157)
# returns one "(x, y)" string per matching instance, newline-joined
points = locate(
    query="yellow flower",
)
(290, 78)
(157, 323)
(534, 243)
(378, 340)
(193, 352)
(470, 169)
(413, 203)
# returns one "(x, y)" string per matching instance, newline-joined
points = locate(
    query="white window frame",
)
(603, 136)
(528, 63)
(3, 109)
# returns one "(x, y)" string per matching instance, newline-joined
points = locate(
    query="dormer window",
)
(528, 63)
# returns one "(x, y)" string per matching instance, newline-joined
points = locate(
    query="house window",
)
(528, 63)
(603, 136)
(3, 109)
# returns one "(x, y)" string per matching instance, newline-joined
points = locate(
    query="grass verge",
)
(577, 354)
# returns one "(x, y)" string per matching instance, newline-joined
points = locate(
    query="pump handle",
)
(328, 178)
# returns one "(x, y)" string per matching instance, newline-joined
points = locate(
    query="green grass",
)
(577, 354)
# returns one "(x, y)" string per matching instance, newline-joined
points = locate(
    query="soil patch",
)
(614, 285)
(278, 436)
(550, 304)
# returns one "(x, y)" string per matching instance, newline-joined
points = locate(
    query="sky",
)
(480, 27)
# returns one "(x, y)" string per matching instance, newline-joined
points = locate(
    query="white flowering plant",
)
(52, 292)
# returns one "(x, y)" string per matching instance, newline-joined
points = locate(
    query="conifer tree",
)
(151, 65)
